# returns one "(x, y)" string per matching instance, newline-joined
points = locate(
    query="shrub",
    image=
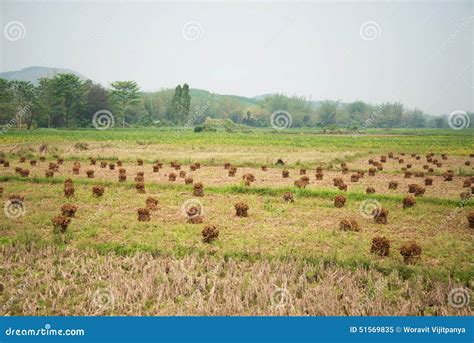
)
(467, 183)
(171, 177)
(408, 175)
(188, 181)
(342, 187)
(139, 178)
(380, 246)
(467, 163)
(97, 191)
(22, 159)
(372, 171)
(470, 219)
(300, 184)
(339, 201)
(288, 197)
(60, 223)
(122, 177)
(192, 167)
(75, 170)
(33, 163)
(68, 191)
(193, 211)
(139, 162)
(156, 169)
(349, 225)
(412, 188)
(111, 166)
(182, 174)
(410, 252)
(354, 177)
(198, 189)
(241, 209)
(285, 173)
(370, 190)
(90, 173)
(248, 177)
(195, 220)
(232, 171)
(198, 128)
(143, 214)
(380, 216)
(419, 191)
(68, 210)
(448, 176)
(393, 185)
(16, 197)
(93, 161)
(122, 171)
(264, 168)
(302, 171)
(319, 176)
(6, 164)
(103, 164)
(227, 165)
(151, 203)
(119, 163)
(209, 233)
(42, 159)
(48, 173)
(337, 181)
(140, 187)
(409, 201)
(53, 166)
(24, 172)
(465, 196)
(428, 181)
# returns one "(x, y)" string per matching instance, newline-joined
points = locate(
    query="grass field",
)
(281, 259)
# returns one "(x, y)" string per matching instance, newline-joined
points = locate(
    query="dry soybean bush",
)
(241, 209)
(288, 197)
(209, 233)
(224, 289)
(380, 246)
(60, 223)
(349, 225)
(470, 219)
(143, 214)
(339, 201)
(410, 252)
(68, 210)
(380, 216)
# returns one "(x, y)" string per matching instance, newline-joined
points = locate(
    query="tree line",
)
(66, 101)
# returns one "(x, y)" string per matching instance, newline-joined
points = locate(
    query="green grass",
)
(420, 141)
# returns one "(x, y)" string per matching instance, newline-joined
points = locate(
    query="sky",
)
(419, 53)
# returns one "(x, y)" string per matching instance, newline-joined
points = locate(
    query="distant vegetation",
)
(67, 101)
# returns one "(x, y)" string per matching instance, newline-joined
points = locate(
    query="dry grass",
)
(51, 282)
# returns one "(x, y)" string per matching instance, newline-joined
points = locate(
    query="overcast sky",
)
(417, 52)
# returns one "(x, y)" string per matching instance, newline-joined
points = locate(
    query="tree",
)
(96, 99)
(23, 93)
(327, 112)
(124, 94)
